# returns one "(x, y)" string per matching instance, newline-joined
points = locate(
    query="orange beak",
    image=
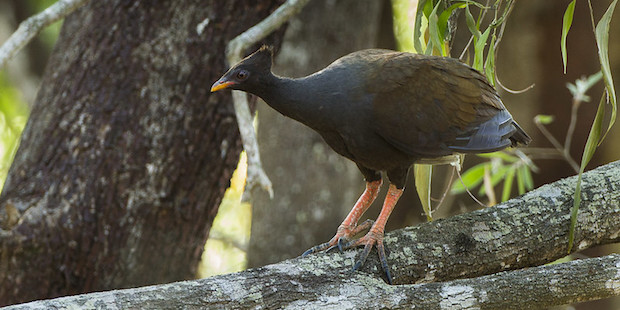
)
(221, 84)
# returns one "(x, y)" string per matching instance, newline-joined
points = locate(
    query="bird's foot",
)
(370, 239)
(341, 239)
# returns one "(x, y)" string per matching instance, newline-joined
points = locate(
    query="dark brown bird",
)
(384, 110)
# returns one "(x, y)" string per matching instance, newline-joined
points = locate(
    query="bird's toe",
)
(317, 248)
(368, 242)
(384, 263)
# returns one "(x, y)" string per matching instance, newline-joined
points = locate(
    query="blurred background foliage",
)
(16, 90)
(227, 247)
(559, 136)
(13, 116)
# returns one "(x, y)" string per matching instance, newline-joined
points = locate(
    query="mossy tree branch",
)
(465, 261)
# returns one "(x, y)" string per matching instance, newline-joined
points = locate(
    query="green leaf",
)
(596, 135)
(428, 8)
(566, 23)
(471, 178)
(471, 23)
(479, 44)
(543, 119)
(528, 181)
(435, 36)
(444, 16)
(520, 181)
(423, 175)
(602, 41)
(510, 175)
(593, 138)
(489, 64)
(417, 27)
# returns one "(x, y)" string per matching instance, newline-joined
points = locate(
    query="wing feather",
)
(431, 106)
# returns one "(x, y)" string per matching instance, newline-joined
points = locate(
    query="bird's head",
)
(248, 72)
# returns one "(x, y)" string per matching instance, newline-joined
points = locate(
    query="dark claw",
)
(341, 245)
(315, 249)
(342, 242)
(332, 248)
(384, 264)
(308, 251)
(363, 257)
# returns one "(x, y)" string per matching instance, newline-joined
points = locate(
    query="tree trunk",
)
(126, 155)
(314, 187)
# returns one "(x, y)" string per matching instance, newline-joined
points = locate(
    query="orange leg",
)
(375, 234)
(349, 226)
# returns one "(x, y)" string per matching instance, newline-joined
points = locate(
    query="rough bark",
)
(126, 155)
(533, 288)
(527, 231)
(314, 187)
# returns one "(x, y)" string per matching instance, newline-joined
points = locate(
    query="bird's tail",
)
(519, 137)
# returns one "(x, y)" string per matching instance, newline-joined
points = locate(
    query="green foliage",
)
(436, 38)
(480, 38)
(602, 42)
(13, 116)
(403, 30)
(431, 36)
(435, 14)
(544, 119)
(596, 135)
(588, 152)
(13, 110)
(226, 249)
(489, 64)
(501, 166)
(566, 23)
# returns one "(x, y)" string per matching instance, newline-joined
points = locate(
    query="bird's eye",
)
(242, 75)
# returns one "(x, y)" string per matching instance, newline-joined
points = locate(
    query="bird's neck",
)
(292, 98)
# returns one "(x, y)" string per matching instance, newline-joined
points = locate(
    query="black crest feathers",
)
(262, 59)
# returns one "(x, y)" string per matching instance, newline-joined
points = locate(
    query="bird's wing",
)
(434, 106)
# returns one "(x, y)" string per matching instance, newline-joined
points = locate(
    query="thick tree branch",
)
(527, 231)
(33, 25)
(234, 52)
(279, 286)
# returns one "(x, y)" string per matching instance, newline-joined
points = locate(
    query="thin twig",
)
(512, 91)
(470, 194)
(572, 124)
(503, 27)
(592, 16)
(471, 39)
(561, 149)
(446, 190)
(480, 17)
(29, 28)
(542, 153)
(257, 178)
